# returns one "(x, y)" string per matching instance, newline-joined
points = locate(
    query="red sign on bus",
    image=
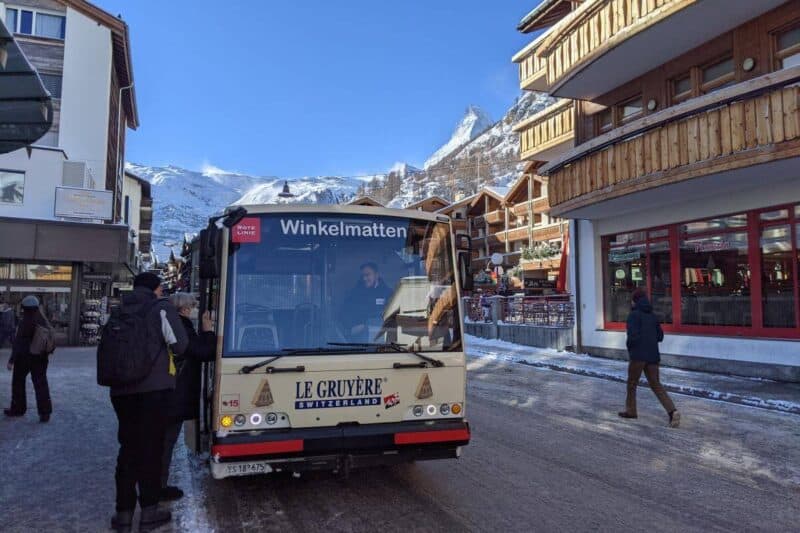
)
(247, 230)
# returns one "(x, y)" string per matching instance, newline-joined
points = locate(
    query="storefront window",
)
(626, 271)
(659, 266)
(777, 277)
(715, 284)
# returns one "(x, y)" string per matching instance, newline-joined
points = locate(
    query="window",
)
(729, 275)
(630, 109)
(604, 121)
(717, 75)
(11, 19)
(51, 26)
(12, 187)
(52, 82)
(36, 23)
(788, 48)
(681, 89)
(127, 209)
(26, 22)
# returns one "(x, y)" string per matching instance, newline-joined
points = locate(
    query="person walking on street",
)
(185, 401)
(22, 362)
(140, 407)
(644, 334)
(7, 324)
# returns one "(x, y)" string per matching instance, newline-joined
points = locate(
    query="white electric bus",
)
(340, 341)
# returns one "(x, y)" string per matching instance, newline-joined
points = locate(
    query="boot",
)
(122, 521)
(153, 517)
(626, 414)
(674, 419)
(10, 412)
(44, 418)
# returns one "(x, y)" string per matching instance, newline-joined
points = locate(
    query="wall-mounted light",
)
(652, 104)
(748, 64)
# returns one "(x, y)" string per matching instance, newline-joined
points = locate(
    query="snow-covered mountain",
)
(472, 124)
(480, 152)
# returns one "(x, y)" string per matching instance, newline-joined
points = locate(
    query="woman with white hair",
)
(185, 402)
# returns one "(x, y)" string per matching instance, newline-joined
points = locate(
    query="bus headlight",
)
(239, 420)
(444, 409)
(417, 410)
(255, 419)
(226, 421)
(431, 410)
(456, 408)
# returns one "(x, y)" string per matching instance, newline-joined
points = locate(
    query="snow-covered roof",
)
(499, 192)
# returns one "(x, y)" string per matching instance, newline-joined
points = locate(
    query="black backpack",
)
(124, 355)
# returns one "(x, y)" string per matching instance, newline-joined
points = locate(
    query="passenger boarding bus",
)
(339, 338)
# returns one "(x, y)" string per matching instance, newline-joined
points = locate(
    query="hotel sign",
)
(84, 203)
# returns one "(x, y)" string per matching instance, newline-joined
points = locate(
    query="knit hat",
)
(30, 302)
(148, 280)
(638, 294)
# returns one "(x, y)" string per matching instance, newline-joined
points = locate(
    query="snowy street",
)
(548, 453)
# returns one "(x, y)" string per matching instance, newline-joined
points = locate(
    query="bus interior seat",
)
(253, 337)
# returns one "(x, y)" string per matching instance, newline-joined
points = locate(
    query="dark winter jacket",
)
(644, 333)
(159, 377)
(365, 305)
(25, 330)
(185, 401)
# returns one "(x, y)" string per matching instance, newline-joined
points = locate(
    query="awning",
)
(26, 108)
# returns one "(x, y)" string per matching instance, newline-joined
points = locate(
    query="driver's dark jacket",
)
(365, 303)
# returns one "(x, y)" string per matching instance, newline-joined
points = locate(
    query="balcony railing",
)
(557, 311)
(752, 122)
(539, 205)
(596, 25)
(515, 234)
(532, 71)
(548, 132)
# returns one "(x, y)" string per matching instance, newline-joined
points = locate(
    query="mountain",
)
(480, 152)
(472, 124)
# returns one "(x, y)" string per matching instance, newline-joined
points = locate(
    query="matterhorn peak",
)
(474, 122)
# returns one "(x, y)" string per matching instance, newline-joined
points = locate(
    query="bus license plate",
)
(246, 469)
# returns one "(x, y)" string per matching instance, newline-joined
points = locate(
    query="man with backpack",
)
(135, 358)
(32, 346)
(7, 324)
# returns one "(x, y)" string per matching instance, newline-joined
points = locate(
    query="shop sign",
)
(711, 246)
(83, 203)
(539, 284)
(39, 289)
(97, 277)
(247, 230)
(624, 257)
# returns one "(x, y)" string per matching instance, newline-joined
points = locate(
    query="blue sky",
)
(314, 87)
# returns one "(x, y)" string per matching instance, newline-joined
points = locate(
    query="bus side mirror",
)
(463, 242)
(209, 252)
(465, 270)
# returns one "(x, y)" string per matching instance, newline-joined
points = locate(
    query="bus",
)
(339, 338)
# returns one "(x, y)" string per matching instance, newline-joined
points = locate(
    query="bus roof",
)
(343, 209)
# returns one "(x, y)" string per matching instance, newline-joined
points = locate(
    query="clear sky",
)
(312, 87)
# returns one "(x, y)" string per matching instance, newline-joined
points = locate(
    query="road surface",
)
(548, 453)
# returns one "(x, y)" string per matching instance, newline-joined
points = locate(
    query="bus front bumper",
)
(336, 448)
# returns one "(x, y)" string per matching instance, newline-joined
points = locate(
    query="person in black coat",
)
(644, 334)
(363, 305)
(22, 362)
(184, 403)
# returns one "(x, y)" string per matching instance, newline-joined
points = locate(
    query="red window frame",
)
(753, 229)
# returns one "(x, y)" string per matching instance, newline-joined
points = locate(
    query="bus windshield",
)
(300, 281)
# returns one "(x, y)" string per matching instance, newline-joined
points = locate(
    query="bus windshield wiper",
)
(291, 351)
(401, 348)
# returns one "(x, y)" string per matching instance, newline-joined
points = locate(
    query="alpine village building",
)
(675, 154)
(65, 211)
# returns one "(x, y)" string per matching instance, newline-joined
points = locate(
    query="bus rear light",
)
(239, 420)
(428, 437)
(257, 448)
(417, 410)
(271, 418)
(444, 409)
(255, 419)
(455, 408)
(226, 421)
(431, 410)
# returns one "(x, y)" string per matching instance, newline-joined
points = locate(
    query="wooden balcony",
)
(539, 205)
(604, 43)
(497, 216)
(514, 234)
(547, 133)
(755, 122)
(549, 232)
(551, 263)
(532, 68)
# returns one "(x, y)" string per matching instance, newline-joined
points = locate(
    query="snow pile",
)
(474, 122)
(752, 392)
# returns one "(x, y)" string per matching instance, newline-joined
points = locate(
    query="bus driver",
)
(363, 306)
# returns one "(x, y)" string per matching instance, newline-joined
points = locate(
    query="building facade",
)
(63, 235)
(682, 175)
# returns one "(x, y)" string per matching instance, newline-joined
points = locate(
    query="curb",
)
(750, 401)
